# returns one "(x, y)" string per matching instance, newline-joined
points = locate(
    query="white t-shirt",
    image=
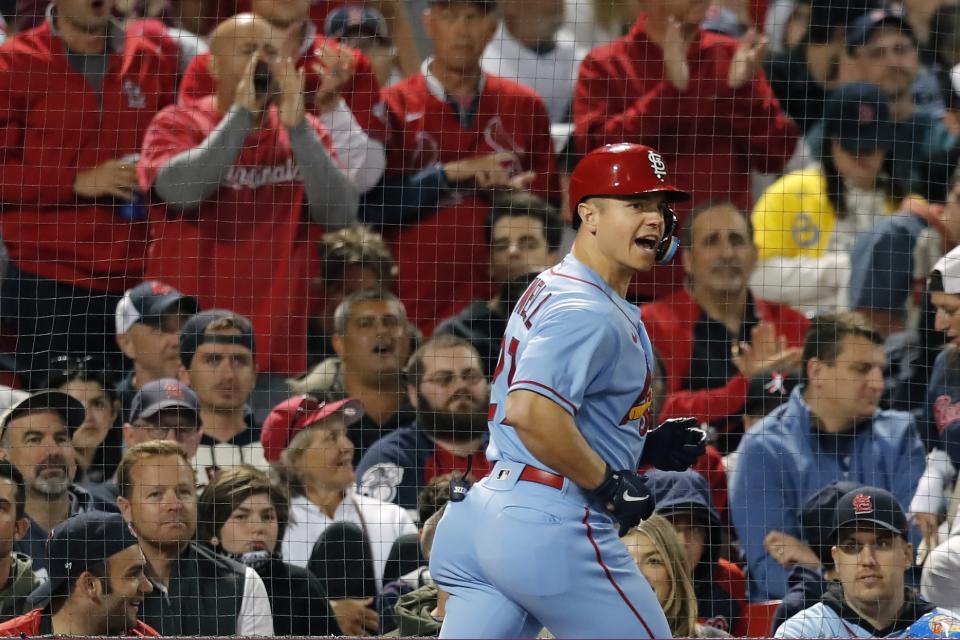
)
(213, 456)
(552, 75)
(381, 522)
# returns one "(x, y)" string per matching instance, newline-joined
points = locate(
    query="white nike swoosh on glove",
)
(628, 497)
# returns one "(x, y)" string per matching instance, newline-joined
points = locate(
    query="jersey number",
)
(505, 351)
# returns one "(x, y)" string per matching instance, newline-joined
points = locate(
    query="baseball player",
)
(535, 543)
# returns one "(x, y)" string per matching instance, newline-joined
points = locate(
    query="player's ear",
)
(589, 216)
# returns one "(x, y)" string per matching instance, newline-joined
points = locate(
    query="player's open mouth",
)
(383, 349)
(648, 242)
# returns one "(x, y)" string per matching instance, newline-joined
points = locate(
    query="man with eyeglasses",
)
(164, 409)
(882, 50)
(871, 554)
(448, 388)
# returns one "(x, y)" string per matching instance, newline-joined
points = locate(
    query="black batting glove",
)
(675, 445)
(626, 497)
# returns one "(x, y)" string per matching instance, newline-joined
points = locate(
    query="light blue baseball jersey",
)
(574, 340)
(821, 621)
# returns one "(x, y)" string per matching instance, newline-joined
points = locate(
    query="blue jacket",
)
(782, 461)
(883, 265)
(404, 461)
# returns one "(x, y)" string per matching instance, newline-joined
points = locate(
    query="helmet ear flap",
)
(667, 248)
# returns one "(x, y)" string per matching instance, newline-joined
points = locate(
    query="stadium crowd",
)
(259, 256)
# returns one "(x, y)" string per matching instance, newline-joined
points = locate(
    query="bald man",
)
(341, 87)
(250, 183)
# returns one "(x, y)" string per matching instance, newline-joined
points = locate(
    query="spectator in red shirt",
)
(714, 334)
(95, 586)
(340, 87)
(76, 95)
(455, 131)
(698, 97)
(250, 183)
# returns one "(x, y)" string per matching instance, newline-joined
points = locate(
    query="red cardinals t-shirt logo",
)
(862, 504)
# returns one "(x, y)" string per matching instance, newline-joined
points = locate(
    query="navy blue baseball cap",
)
(161, 395)
(69, 408)
(356, 20)
(148, 302)
(862, 29)
(78, 543)
(857, 115)
(194, 333)
(871, 506)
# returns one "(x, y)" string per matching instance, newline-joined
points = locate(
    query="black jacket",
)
(299, 603)
(203, 597)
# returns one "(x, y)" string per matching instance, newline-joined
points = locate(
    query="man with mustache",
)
(447, 386)
(35, 436)
(714, 334)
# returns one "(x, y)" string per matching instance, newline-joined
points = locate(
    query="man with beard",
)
(714, 334)
(35, 436)
(448, 389)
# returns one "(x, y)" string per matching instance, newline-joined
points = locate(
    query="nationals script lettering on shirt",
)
(238, 178)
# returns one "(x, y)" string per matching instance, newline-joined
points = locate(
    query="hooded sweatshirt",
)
(21, 582)
(832, 617)
(719, 584)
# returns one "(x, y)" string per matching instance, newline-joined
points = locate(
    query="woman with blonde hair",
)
(658, 552)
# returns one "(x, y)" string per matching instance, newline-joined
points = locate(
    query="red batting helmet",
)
(625, 169)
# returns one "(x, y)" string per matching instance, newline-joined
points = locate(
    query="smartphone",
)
(262, 78)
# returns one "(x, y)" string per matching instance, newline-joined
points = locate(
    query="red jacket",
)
(247, 247)
(362, 93)
(444, 257)
(51, 127)
(710, 136)
(670, 323)
(32, 623)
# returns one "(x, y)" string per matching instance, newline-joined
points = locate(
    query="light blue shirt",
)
(574, 340)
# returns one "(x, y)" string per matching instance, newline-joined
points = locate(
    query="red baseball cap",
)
(292, 416)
